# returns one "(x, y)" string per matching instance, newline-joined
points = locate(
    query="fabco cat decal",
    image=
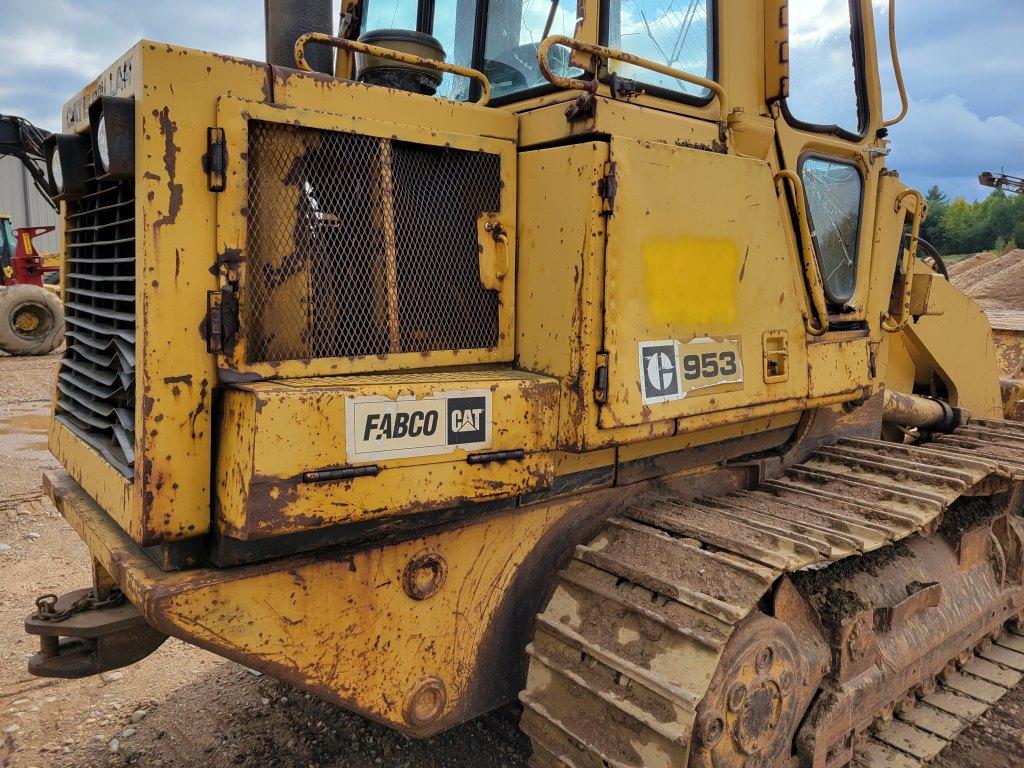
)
(379, 428)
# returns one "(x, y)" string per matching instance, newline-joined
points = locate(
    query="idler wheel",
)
(755, 702)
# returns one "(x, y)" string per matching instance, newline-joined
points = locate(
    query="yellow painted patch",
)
(691, 281)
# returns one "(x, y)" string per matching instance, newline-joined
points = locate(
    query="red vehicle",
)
(31, 314)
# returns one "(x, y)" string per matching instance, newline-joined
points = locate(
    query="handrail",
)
(812, 274)
(892, 324)
(897, 69)
(386, 53)
(575, 84)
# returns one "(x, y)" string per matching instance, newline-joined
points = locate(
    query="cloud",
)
(813, 23)
(969, 49)
(944, 142)
(52, 48)
(961, 60)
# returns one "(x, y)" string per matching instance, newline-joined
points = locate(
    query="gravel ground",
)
(185, 707)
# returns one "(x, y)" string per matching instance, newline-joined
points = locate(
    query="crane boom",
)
(1002, 181)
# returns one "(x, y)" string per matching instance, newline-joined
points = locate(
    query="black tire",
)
(31, 320)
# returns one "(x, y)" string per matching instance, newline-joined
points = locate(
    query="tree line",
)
(959, 227)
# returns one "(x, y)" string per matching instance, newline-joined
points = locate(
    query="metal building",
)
(20, 198)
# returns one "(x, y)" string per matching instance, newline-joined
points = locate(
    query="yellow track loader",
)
(574, 354)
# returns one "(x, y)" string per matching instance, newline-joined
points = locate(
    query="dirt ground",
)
(184, 707)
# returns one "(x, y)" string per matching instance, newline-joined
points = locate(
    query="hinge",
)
(608, 187)
(215, 162)
(221, 320)
(581, 107)
(601, 378)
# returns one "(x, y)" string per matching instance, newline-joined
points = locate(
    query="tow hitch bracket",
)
(89, 642)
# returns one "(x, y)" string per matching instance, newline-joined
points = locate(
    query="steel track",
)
(629, 643)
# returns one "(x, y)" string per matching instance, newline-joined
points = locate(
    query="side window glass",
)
(389, 14)
(676, 33)
(823, 75)
(515, 29)
(455, 27)
(834, 191)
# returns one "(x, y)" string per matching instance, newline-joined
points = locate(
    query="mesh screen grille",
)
(96, 382)
(359, 245)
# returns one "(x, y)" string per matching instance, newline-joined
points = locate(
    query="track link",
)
(639, 620)
(924, 727)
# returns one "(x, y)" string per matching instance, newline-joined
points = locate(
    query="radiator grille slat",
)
(99, 209)
(97, 227)
(96, 382)
(78, 276)
(359, 245)
(107, 295)
(110, 314)
(99, 375)
(102, 329)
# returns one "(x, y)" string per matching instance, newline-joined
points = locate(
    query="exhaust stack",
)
(287, 20)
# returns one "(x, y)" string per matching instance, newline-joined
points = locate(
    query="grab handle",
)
(576, 84)
(897, 69)
(386, 53)
(812, 273)
(893, 324)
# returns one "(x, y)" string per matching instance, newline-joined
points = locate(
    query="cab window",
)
(824, 74)
(504, 49)
(834, 191)
(676, 33)
(515, 29)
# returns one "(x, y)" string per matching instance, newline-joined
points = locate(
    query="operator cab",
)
(502, 40)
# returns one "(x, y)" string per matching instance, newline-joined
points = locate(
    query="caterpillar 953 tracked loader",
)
(605, 379)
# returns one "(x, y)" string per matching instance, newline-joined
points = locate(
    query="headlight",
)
(66, 156)
(112, 125)
(56, 174)
(102, 146)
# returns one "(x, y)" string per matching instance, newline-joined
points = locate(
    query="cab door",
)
(827, 104)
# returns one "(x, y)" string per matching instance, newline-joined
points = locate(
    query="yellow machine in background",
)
(568, 383)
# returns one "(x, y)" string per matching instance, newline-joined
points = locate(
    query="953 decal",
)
(670, 370)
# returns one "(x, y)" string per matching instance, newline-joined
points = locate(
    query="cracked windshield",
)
(673, 32)
(514, 30)
(833, 198)
(676, 33)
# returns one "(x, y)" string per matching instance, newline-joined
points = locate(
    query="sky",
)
(962, 62)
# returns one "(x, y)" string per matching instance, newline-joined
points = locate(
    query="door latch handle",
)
(495, 261)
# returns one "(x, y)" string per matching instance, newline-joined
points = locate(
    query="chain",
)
(46, 605)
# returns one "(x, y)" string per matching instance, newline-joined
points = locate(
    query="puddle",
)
(24, 429)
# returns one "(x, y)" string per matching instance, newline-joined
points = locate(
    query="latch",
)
(581, 107)
(215, 162)
(601, 378)
(775, 354)
(222, 322)
(876, 153)
(623, 87)
(493, 242)
(608, 188)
